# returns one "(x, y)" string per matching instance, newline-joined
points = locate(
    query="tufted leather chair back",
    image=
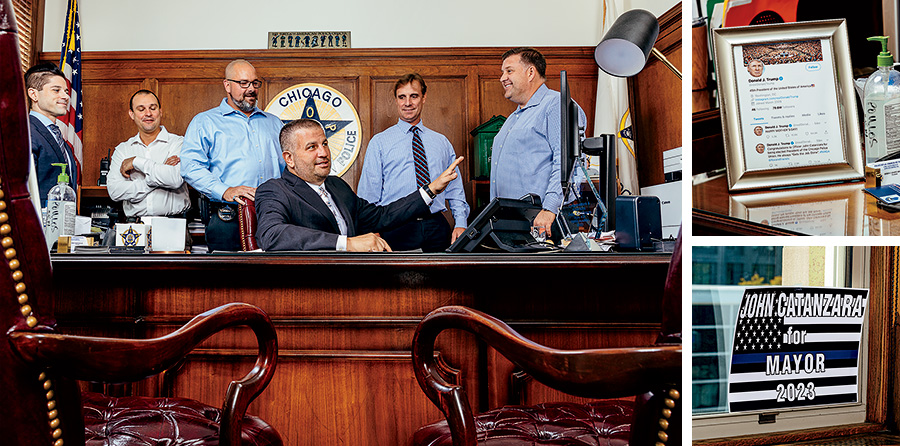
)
(247, 225)
(651, 374)
(38, 408)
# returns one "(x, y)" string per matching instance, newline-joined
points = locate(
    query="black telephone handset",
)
(104, 169)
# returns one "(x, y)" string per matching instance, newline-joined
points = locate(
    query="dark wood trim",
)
(883, 291)
(708, 223)
(654, 98)
(37, 30)
(292, 58)
(793, 436)
(249, 262)
(669, 37)
(707, 145)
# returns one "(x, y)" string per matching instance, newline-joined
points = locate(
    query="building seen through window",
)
(714, 270)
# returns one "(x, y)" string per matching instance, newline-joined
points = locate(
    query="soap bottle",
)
(881, 103)
(60, 219)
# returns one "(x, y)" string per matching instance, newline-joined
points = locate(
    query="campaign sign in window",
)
(796, 347)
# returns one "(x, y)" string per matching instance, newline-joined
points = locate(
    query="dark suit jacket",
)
(291, 216)
(46, 152)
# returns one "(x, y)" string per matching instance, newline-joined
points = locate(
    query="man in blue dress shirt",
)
(390, 172)
(525, 157)
(230, 150)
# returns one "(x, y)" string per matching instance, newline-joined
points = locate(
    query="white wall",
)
(123, 25)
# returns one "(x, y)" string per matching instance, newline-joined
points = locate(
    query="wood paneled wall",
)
(463, 88)
(655, 99)
(344, 373)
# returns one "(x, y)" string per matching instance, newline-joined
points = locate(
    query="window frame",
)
(852, 269)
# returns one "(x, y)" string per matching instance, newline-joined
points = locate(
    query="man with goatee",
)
(230, 150)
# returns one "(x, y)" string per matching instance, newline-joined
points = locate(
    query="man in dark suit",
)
(48, 97)
(307, 209)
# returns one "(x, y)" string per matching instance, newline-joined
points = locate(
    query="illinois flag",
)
(70, 64)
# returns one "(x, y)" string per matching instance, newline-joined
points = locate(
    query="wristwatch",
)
(429, 192)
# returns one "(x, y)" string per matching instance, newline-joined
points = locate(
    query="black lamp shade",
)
(626, 46)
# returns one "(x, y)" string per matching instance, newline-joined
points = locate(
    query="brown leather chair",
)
(651, 374)
(247, 224)
(41, 400)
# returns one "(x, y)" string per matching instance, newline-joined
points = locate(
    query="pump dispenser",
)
(60, 220)
(881, 103)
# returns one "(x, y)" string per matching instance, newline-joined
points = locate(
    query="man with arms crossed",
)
(145, 171)
(229, 151)
(307, 209)
(404, 158)
(525, 157)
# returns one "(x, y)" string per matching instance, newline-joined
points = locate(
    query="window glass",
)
(719, 274)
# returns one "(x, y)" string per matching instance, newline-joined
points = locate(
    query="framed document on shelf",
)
(788, 106)
(834, 210)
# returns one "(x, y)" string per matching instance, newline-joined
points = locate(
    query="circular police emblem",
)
(329, 107)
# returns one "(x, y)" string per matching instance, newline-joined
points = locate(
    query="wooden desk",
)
(842, 209)
(345, 323)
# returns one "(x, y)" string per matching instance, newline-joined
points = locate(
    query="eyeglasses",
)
(245, 83)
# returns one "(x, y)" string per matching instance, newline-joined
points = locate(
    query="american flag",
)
(70, 63)
(793, 360)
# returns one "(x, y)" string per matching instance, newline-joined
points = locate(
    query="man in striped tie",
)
(48, 98)
(405, 157)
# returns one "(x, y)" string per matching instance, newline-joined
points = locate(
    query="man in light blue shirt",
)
(525, 157)
(230, 150)
(392, 170)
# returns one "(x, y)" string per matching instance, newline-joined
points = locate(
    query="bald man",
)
(229, 151)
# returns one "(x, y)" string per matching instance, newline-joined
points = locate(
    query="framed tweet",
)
(787, 104)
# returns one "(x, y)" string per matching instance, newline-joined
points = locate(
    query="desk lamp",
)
(623, 52)
(627, 45)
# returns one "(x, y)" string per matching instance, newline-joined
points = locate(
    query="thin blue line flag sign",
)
(796, 347)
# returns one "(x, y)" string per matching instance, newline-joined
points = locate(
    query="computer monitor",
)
(573, 145)
(505, 224)
(569, 132)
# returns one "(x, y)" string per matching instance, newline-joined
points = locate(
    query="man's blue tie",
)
(421, 161)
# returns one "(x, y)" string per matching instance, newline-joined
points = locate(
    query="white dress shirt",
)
(156, 189)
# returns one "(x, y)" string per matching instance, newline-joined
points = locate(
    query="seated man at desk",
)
(145, 174)
(308, 209)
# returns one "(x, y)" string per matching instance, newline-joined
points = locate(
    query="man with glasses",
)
(230, 150)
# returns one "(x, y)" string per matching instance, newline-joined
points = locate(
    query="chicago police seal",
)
(329, 107)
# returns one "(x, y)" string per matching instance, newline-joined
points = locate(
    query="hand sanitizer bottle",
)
(60, 219)
(881, 103)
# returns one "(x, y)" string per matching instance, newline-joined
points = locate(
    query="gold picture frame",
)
(787, 103)
(837, 210)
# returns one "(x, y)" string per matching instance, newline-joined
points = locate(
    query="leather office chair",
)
(652, 375)
(40, 401)
(247, 224)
